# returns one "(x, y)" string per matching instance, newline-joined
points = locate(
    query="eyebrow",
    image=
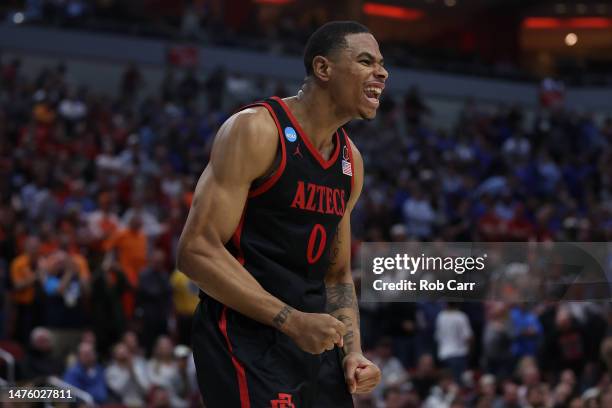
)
(370, 56)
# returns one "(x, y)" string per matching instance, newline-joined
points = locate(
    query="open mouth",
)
(372, 94)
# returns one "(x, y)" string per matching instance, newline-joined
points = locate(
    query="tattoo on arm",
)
(340, 296)
(281, 317)
(350, 334)
(334, 250)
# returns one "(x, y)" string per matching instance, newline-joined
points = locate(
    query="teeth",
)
(376, 91)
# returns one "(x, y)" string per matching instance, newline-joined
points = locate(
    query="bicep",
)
(216, 208)
(223, 187)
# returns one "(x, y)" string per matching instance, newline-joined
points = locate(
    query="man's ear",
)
(321, 68)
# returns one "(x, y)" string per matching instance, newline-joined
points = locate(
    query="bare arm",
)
(244, 150)
(341, 296)
(361, 374)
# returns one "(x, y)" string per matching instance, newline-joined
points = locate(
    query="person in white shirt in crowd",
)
(150, 223)
(163, 370)
(188, 386)
(127, 377)
(419, 214)
(453, 334)
(134, 160)
(443, 394)
(392, 370)
(71, 108)
(130, 339)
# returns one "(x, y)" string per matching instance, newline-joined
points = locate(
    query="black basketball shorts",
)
(241, 363)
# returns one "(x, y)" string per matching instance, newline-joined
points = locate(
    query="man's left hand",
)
(360, 373)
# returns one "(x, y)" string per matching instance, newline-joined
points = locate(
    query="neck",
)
(317, 114)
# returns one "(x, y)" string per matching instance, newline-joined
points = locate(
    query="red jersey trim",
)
(350, 152)
(240, 373)
(237, 236)
(281, 168)
(325, 164)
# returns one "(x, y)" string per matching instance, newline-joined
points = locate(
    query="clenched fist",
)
(315, 332)
(361, 374)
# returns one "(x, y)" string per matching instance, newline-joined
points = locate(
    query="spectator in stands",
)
(529, 375)
(497, 341)
(605, 398)
(392, 397)
(107, 315)
(87, 374)
(189, 87)
(26, 270)
(576, 402)
(130, 339)
(71, 108)
(184, 299)
(66, 283)
(364, 401)
(39, 361)
(131, 246)
(163, 370)
(443, 395)
(487, 385)
(538, 396)
(154, 298)
(150, 224)
(127, 378)
(134, 161)
(570, 343)
(419, 214)
(415, 107)
(159, 397)
(187, 389)
(509, 398)
(392, 370)
(425, 375)
(131, 82)
(526, 331)
(454, 335)
(103, 222)
(561, 394)
(400, 325)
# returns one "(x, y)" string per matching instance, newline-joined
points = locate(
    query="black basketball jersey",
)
(290, 221)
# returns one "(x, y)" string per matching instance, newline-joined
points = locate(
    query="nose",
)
(381, 72)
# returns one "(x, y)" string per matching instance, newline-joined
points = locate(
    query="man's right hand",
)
(315, 332)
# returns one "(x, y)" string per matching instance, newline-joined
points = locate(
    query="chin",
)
(367, 115)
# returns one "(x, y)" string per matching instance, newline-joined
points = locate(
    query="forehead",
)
(362, 42)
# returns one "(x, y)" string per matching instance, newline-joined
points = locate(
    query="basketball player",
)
(268, 239)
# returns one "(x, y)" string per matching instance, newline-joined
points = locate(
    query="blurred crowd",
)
(95, 189)
(266, 27)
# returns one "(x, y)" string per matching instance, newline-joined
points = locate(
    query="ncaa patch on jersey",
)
(290, 134)
(346, 168)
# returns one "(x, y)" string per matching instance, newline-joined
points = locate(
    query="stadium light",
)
(273, 2)
(571, 23)
(395, 12)
(571, 39)
(18, 18)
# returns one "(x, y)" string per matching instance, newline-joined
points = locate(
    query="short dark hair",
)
(328, 38)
